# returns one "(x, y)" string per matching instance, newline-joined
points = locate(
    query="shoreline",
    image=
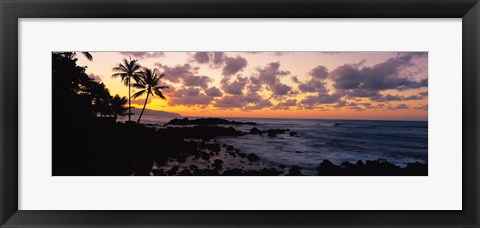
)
(194, 150)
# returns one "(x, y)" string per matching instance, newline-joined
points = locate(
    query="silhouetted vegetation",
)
(147, 83)
(127, 71)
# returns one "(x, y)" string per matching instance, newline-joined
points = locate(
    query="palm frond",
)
(159, 93)
(138, 86)
(137, 94)
(88, 55)
(119, 75)
(137, 76)
(136, 67)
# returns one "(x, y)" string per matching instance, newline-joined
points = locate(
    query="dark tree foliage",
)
(81, 106)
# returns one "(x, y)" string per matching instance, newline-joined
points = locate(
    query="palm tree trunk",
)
(145, 104)
(129, 107)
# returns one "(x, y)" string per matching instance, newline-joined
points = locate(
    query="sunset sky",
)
(323, 85)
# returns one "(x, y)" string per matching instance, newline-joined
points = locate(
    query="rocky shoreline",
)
(192, 150)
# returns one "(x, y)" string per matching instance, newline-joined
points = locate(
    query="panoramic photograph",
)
(239, 113)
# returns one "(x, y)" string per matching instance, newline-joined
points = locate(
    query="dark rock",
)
(158, 172)
(185, 172)
(380, 167)
(263, 172)
(252, 157)
(213, 147)
(172, 171)
(327, 168)
(294, 171)
(205, 156)
(181, 159)
(416, 169)
(233, 172)
(255, 131)
(218, 164)
(274, 132)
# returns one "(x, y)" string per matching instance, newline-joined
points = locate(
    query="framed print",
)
(239, 113)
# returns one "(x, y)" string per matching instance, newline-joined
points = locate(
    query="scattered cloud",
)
(236, 87)
(286, 104)
(389, 97)
(213, 92)
(280, 89)
(422, 107)
(200, 81)
(189, 97)
(233, 65)
(214, 59)
(201, 57)
(399, 106)
(143, 54)
(319, 72)
(321, 98)
(185, 74)
(230, 101)
(295, 79)
(270, 73)
(380, 77)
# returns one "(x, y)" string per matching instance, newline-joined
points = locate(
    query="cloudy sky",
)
(324, 85)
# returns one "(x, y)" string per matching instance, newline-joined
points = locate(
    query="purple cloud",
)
(269, 74)
(201, 57)
(143, 54)
(281, 89)
(200, 81)
(229, 102)
(233, 65)
(213, 92)
(319, 72)
(382, 76)
(236, 87)
(321, 98)
(189, 97)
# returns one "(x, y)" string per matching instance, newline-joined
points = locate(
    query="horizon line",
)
(417, 120)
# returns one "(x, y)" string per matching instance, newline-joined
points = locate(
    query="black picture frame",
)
(11, 11)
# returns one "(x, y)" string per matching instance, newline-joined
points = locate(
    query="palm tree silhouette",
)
(72, 55)
(117, 104)
(126, 71)
(147, 83)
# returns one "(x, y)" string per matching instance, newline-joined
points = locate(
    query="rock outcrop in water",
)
(272, 132)
(380, 167)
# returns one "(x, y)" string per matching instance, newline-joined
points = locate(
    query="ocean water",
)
(399, 142)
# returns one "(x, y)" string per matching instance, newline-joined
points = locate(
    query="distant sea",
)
(399, 142)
